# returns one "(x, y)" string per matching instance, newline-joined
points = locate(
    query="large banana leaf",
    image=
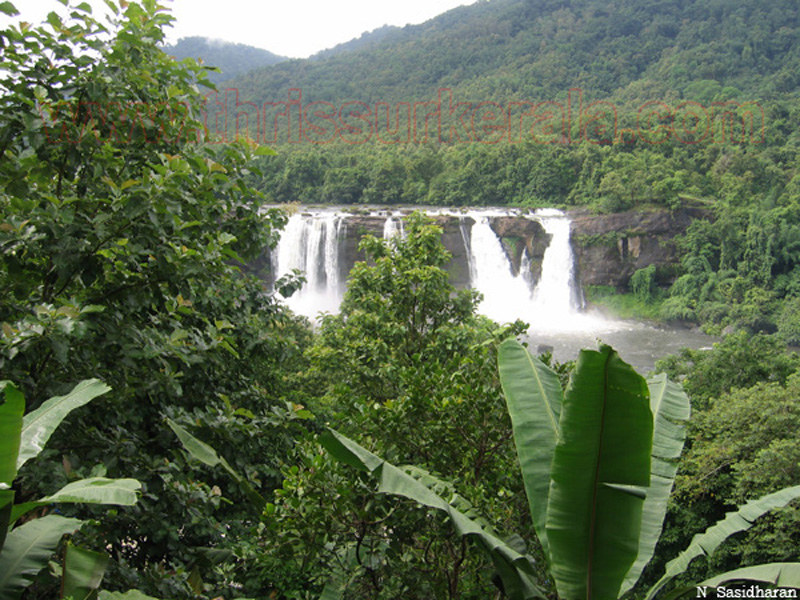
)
(534, 398)
(96, 490)
(40, 424)
(83, 573)
(671, 409)
(601, 468)
(27, 550)
(514, 569)
(777, 574)
(11, 412)
(703, 544)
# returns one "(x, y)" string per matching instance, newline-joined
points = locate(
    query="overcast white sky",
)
(296, 28)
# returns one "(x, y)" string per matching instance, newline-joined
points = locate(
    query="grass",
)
(624, 305)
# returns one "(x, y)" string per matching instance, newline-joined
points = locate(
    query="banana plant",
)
(598, 462)
(26, 548)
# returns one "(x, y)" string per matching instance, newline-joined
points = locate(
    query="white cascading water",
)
(554, 298)
(552, 305)
(505, 295)
(310, 243)
(393, 227)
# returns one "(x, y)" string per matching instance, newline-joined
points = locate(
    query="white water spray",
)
(310, 243)
(505, 295)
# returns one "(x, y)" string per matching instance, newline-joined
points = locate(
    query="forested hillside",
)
(504, 50)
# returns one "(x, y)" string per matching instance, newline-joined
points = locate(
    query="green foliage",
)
(600, 380)
(26, 548)
(742, 446)
(127, 239)
(789, 321)
(643, 283)
(624, 305)
(621, 506)
(408, 368)
(738, 361)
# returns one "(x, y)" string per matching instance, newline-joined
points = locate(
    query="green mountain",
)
(538, 49)
(233, 59)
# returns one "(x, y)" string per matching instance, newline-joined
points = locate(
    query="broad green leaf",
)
(83, 573)
(40, 424)
(534, 398)
(514, 569)
(11, 417)
(197, 448)
(600, 465)
(27, 550)
(703, 544)
(671, 409)
(201, 451)
(777, 574)
(96, 490)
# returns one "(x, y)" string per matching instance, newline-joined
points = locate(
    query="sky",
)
(294, 28)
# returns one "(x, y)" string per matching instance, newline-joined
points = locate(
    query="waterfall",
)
(505, 296)
(553, 304)
(393, 227)
(313, 242)
(310, 243)
(554, 295)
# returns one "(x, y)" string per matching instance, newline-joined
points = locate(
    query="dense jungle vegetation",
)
(700, 65)
(127, 237)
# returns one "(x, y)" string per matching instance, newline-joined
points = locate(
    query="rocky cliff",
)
(609, 249)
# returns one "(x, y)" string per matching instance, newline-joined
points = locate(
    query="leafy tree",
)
(741, 447)
(738, 361)
(126, 232)
(598, 466)
(408, 367)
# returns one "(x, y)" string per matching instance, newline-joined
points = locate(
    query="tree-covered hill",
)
(538, 49)
(232, 59)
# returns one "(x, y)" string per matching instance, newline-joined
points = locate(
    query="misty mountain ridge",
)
(233, 59)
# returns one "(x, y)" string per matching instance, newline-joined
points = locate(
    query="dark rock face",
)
(519, 234)
(609, 249)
